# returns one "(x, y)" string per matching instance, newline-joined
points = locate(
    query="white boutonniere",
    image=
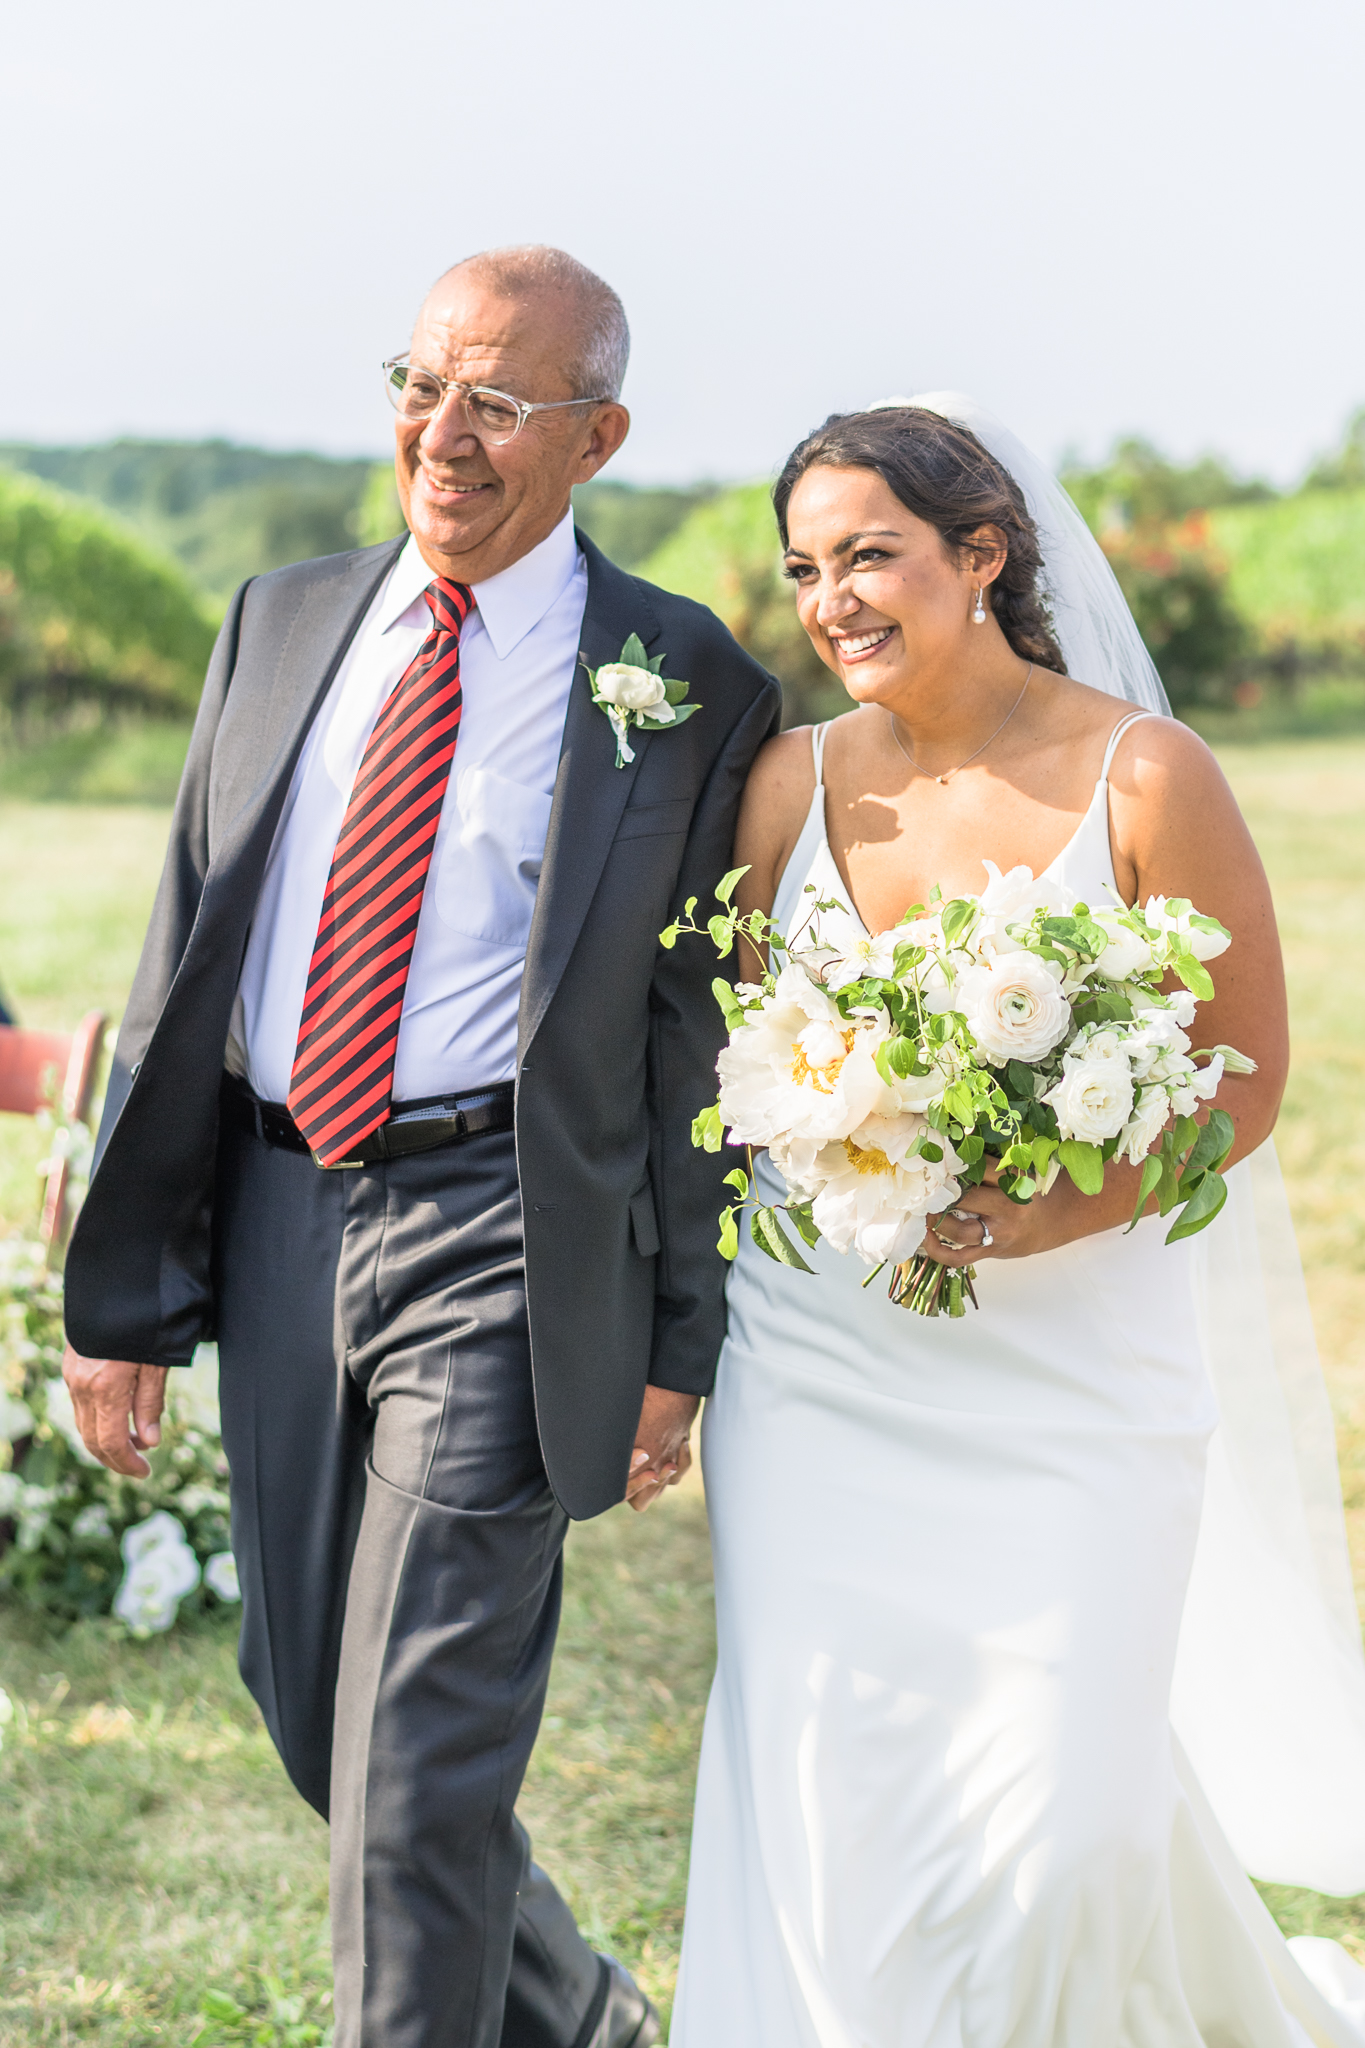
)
(633, 693)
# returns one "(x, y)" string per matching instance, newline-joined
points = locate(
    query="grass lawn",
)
(157, 1874)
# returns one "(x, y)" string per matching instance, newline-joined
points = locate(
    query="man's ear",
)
(607, 429)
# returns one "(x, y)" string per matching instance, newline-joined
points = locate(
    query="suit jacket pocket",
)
(643, 1222)
(650, 821)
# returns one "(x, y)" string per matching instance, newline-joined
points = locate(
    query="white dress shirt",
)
(518, 653)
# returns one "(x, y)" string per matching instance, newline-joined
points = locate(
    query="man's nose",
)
(447, 435)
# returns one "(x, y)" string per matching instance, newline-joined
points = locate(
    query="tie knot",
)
(451, 603)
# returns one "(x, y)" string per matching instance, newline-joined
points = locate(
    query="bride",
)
(967, 1781)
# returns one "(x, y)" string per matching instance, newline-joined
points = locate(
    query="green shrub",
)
(89, 614)
(1176, 587)
(726, 554)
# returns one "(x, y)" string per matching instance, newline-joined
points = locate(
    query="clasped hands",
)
(119, 1404)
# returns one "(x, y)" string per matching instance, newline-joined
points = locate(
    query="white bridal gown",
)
(966, 1782)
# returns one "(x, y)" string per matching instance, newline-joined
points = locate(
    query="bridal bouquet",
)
(1018, 1030)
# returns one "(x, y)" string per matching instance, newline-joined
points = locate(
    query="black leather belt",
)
(412, 1126)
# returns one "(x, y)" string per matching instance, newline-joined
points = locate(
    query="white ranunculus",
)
(1014, 1007)
(1126, 953)
(1148, 1120)
(220, 1575)
(1092, 1101)
(160, 1570)
(634, 689)
(797, 1069)
(61, 1414)
(1203, 945)
(874, 1199)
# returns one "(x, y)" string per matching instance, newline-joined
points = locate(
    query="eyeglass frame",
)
(524, 407)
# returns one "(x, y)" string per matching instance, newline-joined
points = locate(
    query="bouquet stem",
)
(930, 1289)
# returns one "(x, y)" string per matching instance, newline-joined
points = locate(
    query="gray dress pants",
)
(400, 1555)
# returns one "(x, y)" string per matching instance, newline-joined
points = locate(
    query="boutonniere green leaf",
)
(633, 693)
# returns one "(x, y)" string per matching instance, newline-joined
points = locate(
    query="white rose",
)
(1126, 951)
(1203, 945)
(634, 689)
(1014, 1007)
(1145, 1125)
(1094, 1045)
(1092, 1100)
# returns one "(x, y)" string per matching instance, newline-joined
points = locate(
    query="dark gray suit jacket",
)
(617, 1039)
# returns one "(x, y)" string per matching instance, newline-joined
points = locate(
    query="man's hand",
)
(662, 1453)
(118, 1408)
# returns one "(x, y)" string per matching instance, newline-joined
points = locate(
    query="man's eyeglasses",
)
(494, 416)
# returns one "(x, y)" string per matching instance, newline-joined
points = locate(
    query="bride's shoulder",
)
(1150, 743)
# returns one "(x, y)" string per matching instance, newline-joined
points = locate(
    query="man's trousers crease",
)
(401, 1562)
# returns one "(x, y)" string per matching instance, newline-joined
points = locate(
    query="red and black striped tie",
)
(341, 1088)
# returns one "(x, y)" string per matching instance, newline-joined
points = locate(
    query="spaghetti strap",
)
(1117, 734)
(818, 735)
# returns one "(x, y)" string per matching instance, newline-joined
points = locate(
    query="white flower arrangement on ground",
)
(74, 1537)
(1017, 1029)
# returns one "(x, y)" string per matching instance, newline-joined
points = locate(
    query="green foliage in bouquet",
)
(1005, 1035)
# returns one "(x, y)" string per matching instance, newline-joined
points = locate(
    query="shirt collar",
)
(510, 603)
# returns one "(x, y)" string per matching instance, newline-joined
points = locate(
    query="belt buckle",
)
(334, 1165)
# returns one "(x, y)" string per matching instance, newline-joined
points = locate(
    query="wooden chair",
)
(29, 1061)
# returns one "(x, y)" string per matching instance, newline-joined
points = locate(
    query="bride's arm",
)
(771, 813)
(1176, 831)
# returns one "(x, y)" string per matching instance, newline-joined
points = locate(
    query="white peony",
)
(1014, 1007)
(634, 689)
(873, 1198)
(1148, 1120)
(160, 1569)
(797, 1070)
(220, 1576)
(1203, 945)
(1093, 1100)
(1126, 952)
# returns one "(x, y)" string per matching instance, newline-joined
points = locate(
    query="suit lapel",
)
(319, 634)
(590, 790)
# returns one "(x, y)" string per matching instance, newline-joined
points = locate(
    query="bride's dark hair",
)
(942, 474)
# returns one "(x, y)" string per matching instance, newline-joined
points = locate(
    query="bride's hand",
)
(985, 1224)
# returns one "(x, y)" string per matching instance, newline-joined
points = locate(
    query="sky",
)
(1097, 219)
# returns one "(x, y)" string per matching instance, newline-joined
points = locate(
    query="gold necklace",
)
(949, 773)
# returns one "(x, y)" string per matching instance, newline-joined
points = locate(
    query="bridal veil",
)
(1268, 1701)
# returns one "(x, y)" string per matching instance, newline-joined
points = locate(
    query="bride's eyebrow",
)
(849, 541)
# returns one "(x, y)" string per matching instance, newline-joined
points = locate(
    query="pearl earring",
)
(979, 615)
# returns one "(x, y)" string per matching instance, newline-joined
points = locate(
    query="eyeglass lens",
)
(416, 394)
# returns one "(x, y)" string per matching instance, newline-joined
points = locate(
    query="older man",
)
(401, 1112)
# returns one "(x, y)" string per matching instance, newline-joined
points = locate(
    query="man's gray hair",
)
(597, 368)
